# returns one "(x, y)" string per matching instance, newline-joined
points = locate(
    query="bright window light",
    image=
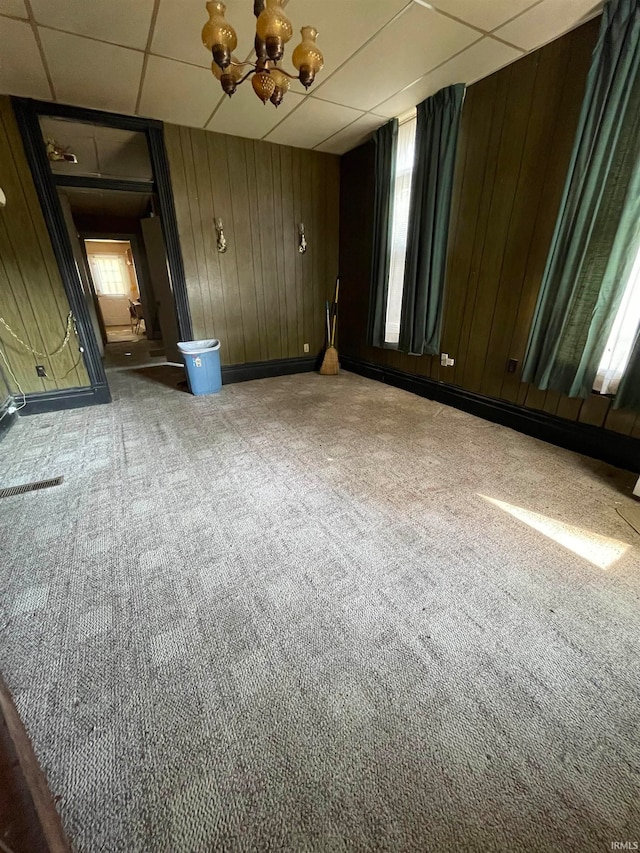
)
(401, 202)
(110, 274)
(622, 335)
(601, 551)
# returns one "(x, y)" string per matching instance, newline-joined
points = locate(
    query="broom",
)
(330, 364)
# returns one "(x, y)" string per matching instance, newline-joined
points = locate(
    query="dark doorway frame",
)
(27, 112)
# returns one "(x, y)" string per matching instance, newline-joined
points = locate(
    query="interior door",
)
(161, 285)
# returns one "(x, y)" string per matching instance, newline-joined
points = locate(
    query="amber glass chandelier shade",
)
(281, 80)
(218, 35)
(274, 28)
(307, 57)
(233, 70)
(228, 78)
(282, 86)
(263, 85)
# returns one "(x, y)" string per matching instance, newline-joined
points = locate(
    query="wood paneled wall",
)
(261, 298)
(32, 299)
(517, 133)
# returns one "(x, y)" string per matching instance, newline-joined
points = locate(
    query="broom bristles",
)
(330, 365)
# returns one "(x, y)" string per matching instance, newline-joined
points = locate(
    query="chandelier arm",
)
(248, 74)
(242, 64)
(290, 76)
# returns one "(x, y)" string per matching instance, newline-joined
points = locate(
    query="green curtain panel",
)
(385, 141)
(597, 232)
(437, 126)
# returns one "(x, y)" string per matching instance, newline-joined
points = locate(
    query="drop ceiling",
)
(381, 58)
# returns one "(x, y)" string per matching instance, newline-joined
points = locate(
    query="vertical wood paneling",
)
(261, 298)
(331, 228)
(528, 189)
(32, 297)
(214, 318)
(464, 353)
(233, 350)
(510, 156)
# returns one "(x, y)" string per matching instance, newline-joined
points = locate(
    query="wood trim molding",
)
(164, 188)
(265, 369)
(66, 398)
(606, 445)
(85, 114)
(26, 113)
(119, 184)
(36, 820)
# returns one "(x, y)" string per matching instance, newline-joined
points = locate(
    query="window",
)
(400, 224)
(110, 274)
(622, 336)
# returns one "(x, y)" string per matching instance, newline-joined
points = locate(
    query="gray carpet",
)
(286, 618)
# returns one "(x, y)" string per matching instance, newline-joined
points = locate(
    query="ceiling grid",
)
(381, 58)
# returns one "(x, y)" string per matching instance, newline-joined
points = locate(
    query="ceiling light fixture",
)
(273, 30)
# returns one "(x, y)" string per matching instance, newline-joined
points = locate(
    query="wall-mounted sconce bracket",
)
(302, 240)
(222, 242)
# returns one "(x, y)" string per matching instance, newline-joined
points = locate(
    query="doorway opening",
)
(105, 185)
(117, 291)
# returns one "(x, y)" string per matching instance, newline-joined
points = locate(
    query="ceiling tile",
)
(476, 62)
(118, 21)
(13, 7)
(178, 93)
(342, 28)
(353, 135)
(92, 74)
(245, 115)
(21, 69)
(179, 25)
(547, 21)
(312, 123)
(425, 39)
(486, 14)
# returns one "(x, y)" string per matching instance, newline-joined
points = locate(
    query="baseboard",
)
(264, 369)
(66, 398)
(612, 447)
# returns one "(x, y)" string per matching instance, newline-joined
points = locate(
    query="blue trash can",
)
(202, 360)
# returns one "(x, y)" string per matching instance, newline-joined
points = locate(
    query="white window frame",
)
(405, 158)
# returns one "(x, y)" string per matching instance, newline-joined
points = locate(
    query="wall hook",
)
(302, 240)
(222, 242)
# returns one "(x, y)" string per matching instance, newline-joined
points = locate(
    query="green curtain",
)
(597, 232)
(438, 122)
(385, 141)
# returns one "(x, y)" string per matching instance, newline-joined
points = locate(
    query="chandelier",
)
(273, 30)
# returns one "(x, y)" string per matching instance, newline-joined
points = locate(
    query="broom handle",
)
(335, 298)
(333, 331)
(328, 322)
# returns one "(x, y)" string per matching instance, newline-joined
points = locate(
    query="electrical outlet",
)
(306, 347)
(40, 370)
(445, 361)
(512, 365)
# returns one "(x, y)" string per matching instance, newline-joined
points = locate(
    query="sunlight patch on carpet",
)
(601, 551)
